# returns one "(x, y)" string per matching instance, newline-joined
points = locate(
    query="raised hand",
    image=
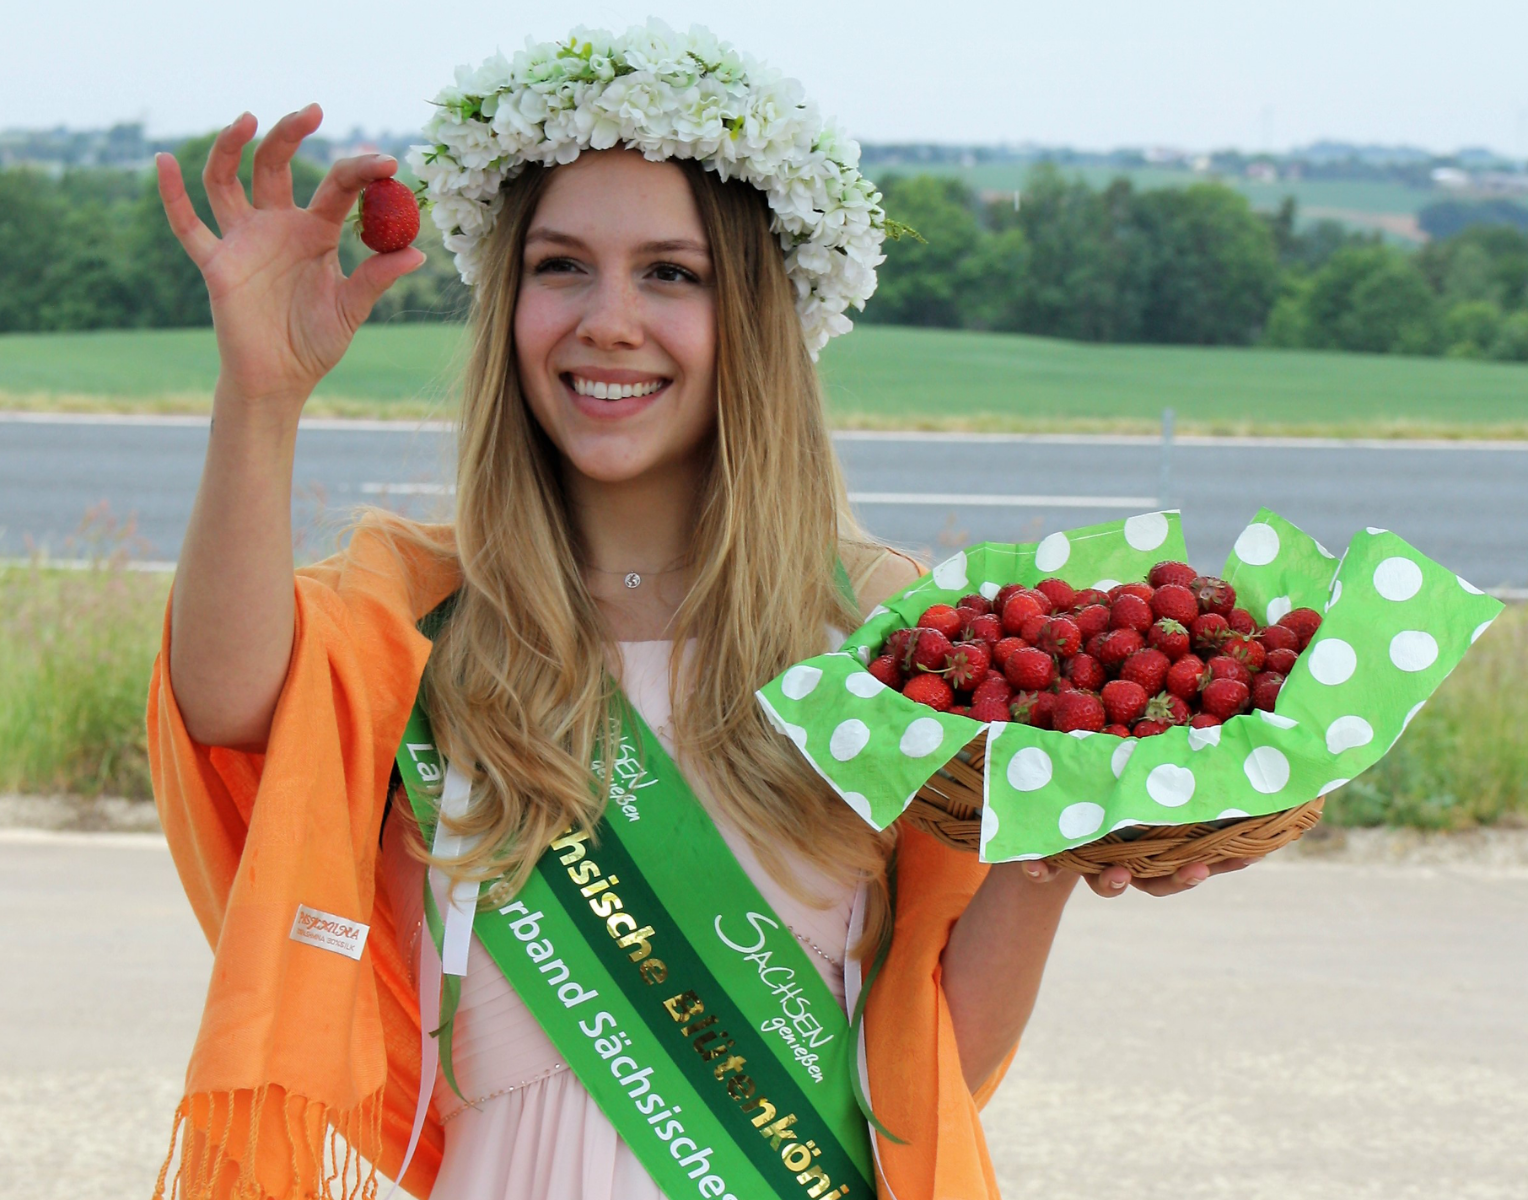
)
(283, 310)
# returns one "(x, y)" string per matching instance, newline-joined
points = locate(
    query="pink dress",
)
(533, 1132)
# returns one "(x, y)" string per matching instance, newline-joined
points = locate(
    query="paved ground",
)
(1306, 1030)
(1460, 503)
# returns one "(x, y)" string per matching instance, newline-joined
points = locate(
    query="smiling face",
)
(615, 321)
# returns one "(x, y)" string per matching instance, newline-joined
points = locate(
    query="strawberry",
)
(1092, 619)
(992, 685)
(1085, 672)
(1094, 646)
(1246, 649)
(943, 618)
(1047, 605)
(1004, 594)
(389, 216)
(1169, 709)
(1203, 720)
(1078, 710)
(1129, 611)
(1265, 690)
(1168, 636)
(1208, 632)
(1147, 668)
(1033, 708)
(1060, 592)
(1004, 648)
(1030, 631)
(959, 710)
(930, 651)
(1143, 591)
(886, 670)
(1185, 676)
(1118, 645)
(1118, 730)
(1149, 728)
(975, 600)
(1223, 666)
(1017, 610)
(1222, 698)
(968, 664)
(1303, 622)
(1241, 620)
(1171, 572)
(1030, 669)
(1061, 637)
(1282, 661)
(898, 643)
(1176, 603)
(984, 628)
(931, 690)
(1279, 637)
(989, 708)
(1086, 597)
(1124, 701)
(1214, 595)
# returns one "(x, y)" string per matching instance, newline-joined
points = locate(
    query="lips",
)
(613, 389)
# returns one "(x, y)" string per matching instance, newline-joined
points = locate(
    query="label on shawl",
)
(329, 932)
(684, 1005)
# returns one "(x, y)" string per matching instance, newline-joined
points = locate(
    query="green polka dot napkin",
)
(1395, 624)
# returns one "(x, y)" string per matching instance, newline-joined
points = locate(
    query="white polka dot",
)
(989, 590)
(1030, 770)
(1480, 629)
(922, 737)
(989, 827)
(859, 804)
(1348, 733)
(795, 733)
(1336, 594)
(863, 684)
(1125, 823)
(1468, 586)
(1277, 607)
(951, 573)
(1328, 789)
(1413, 650)
(1277, 720)
(1397, 579)
(1079, 734)
(1415, 709)
(1147, 531)
(1267, 769)
(1332, 661)
(1103, 585)
(1052, 553)
(1258, 544)
(1170, 786)
(800, 681)
(1230, 814)
(1079, 820)
(1324, 552)
(1377, 532)
(1122, 754)
(864, 656)
(848, 739)
(880, 610)
(1198, 739)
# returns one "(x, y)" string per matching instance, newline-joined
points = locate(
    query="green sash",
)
(682, 1002)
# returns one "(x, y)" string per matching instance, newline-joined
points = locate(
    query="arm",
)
(284, 315)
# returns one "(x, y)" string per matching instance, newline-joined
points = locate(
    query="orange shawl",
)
(307, 1062)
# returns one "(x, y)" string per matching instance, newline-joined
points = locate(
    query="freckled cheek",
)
(688, 334)
(541, 323)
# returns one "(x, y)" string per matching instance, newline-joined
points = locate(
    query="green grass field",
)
(880, 377)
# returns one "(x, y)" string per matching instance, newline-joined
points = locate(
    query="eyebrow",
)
(666, 246)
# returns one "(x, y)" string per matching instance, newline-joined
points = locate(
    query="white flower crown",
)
(668, 95)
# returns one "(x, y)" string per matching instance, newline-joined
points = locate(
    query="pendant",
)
(633, 580)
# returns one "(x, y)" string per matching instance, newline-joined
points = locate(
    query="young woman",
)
(648, 506)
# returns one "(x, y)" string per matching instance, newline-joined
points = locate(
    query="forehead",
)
(615, 198)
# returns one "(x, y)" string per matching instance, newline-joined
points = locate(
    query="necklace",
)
(633, 579)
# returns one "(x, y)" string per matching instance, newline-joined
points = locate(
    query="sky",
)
(1096, 74)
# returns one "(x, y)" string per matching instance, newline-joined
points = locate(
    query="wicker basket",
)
(949, 806)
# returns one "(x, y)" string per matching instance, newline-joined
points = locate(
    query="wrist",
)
(265, 417)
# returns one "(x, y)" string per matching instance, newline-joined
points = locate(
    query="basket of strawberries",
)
(1091, 699)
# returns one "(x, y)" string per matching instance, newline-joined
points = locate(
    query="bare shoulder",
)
(889, 571)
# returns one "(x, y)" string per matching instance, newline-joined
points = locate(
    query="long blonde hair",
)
(516, 686)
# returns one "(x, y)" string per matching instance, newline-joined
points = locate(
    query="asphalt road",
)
(1463, 504)
(1300, 1031)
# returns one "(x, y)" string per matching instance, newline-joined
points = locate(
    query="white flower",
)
(668, 95)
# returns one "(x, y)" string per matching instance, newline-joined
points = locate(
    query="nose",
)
(613, 317)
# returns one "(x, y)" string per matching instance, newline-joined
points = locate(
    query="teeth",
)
(614, 391)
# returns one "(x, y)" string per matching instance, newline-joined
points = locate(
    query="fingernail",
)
(1034, 872)
(384, 158)
(1194, 882)
(1116, 884)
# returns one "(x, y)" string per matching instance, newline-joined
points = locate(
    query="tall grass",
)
(76, 648)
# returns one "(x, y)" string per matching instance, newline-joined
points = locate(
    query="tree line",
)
(1197, 265)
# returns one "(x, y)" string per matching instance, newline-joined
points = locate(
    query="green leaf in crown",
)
(1396, 623)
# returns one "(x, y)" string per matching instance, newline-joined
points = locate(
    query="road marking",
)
(957, 500)
(149, 565)
(72, 837)
(194, 421)
(408, 489)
